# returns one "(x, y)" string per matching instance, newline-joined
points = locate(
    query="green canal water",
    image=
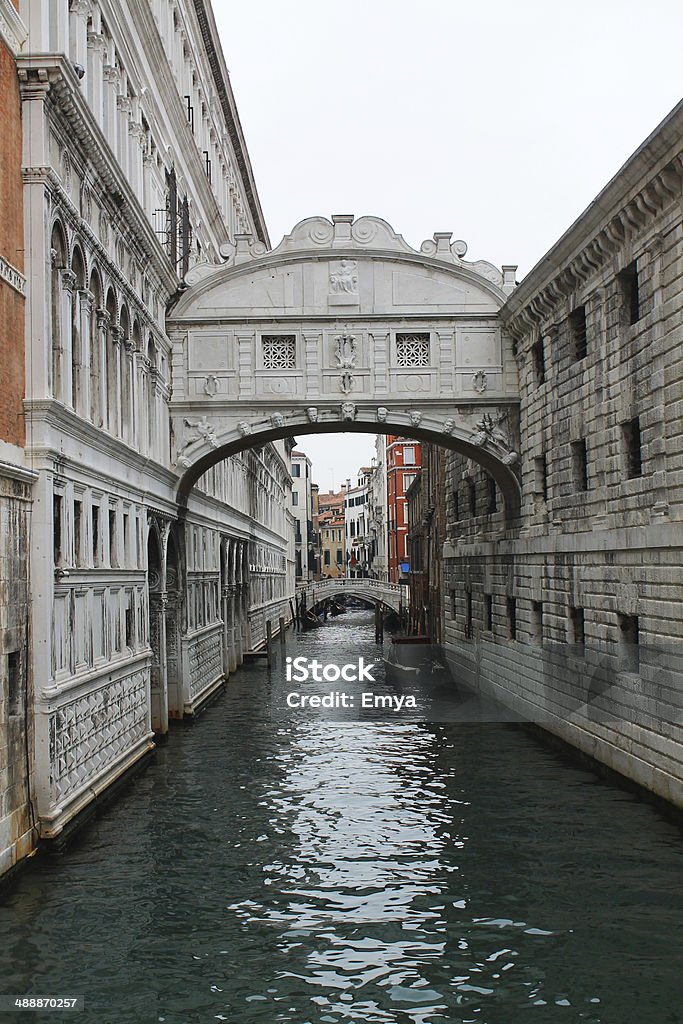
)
(275, 865)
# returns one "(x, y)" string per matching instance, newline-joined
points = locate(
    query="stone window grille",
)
(577, 618)
(412, 350)
(511, 608)
(279, 351)
(629, 640)
(537, 622)
(538, 357)
(579, 333)
(628, 282)
(580, 464)
(633, 457)
(488, 613)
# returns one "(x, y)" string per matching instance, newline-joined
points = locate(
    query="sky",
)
(499, 122)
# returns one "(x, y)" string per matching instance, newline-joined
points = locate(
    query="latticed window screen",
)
(279, 351)
(412, 350)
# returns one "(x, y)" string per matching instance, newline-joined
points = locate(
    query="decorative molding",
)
(12, 29)
(11, 276)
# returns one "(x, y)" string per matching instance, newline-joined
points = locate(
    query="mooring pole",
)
(283, 638)
(269, 643)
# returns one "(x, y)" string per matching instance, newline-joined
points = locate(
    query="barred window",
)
(412, 350)
(279, 351)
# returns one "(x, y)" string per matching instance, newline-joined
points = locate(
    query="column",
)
(98, 370)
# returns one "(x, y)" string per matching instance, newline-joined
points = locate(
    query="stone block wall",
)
(574, 618)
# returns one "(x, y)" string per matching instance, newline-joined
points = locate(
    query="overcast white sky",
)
(497, 121)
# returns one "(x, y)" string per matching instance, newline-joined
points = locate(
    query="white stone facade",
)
(135, 172)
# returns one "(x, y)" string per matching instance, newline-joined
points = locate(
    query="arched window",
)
(77, 341)
(58, 265)
(96, 354)
(124, 358)
(150, 398)
(111, 370)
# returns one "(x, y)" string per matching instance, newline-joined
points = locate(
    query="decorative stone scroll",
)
(345, 350)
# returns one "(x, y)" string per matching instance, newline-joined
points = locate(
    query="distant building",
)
(377, 512)
(302, 510)
(403, 461)
(357, 522)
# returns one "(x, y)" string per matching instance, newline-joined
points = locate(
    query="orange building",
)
(403, 462)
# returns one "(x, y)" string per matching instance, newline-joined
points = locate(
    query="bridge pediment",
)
(334, 269)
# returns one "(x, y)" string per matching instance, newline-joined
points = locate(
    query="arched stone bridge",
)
(344, 327)
(391, 595)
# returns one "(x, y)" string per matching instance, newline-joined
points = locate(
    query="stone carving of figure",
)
(277, 420)
(489, 431)
(345, 277)
(382, 414)
(312, 414)
(204, 431)
(348, 411)
(345, 351)
(415, 418)
(244, 428)
(449, 426)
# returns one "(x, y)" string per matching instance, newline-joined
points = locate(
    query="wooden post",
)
(269, 643)
(283, 638)
(294, 614)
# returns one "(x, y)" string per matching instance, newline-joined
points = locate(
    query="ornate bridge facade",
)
(391, 595)
(344, 327)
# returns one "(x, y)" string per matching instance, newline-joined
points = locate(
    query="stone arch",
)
(126, 373)
(80, 317)
(59, 257)
(96, 345)
(497, 459)
(111, 350)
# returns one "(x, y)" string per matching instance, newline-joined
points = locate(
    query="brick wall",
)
(12, 250)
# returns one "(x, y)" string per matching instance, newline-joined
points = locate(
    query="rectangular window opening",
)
(629, 640)
(537, 622)
(538, 356)
(579, 333)
(14, 684)
(468, 614)
(78, 517)
(580, 465)
(112, 537)
(488, 613)
(492, 505)
(576, 617)
(628, 280)
(57, 547)
(541, 478)
(511, 608)
(633, 457)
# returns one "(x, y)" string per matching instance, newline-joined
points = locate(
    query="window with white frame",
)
(279, 351)
(412, 349)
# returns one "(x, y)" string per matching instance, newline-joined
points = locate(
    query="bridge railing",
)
(392, 594)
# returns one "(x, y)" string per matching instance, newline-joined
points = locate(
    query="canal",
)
(278, 864)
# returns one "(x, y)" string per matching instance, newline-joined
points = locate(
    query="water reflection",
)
(281, 867)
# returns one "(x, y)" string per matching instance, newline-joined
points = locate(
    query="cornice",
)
(632, 201)
(53, 71)
(12, 29)
(221, 78)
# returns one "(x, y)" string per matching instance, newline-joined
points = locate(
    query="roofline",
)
(221, 77)
(652, 154)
